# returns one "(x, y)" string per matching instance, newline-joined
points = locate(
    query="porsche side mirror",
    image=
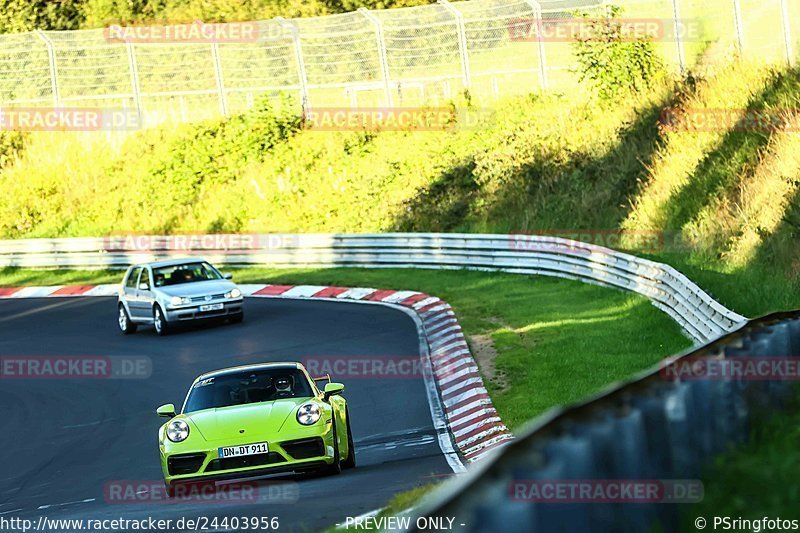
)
(166, 411)
(228, 276)
(332, 389)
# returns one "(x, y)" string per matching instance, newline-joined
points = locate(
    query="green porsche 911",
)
(255, 420)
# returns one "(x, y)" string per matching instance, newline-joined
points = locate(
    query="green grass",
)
(557, 341)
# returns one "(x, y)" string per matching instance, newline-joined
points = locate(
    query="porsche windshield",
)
(248, 386)
(184, 273)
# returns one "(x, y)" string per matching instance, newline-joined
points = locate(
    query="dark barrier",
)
(622, 460)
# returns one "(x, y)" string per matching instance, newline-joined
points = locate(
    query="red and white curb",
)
(461, 398)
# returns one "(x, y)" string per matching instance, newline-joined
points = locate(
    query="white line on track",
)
(87, 500)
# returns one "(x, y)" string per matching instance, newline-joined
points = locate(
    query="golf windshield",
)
(184, 273)
(248, 386)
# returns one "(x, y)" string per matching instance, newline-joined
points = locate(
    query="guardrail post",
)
(538, 21)
(51, 54)
(737, 23)
(135, 87)
(223, 100)
(787, 33)
(462, 41)
(678, 32)
(305, 100)
(384, 61)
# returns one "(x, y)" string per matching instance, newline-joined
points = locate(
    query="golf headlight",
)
(308, 414)
(177, 431)
(235, 293)
(177, 300)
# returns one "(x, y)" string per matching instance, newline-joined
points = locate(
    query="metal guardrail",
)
(652, 427)
(702, 317)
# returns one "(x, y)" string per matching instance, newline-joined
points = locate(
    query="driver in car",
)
(283, 387)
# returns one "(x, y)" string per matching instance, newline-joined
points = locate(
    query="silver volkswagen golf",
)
(179, 290)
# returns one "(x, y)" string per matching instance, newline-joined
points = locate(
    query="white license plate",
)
(245, 449)
(211, 307)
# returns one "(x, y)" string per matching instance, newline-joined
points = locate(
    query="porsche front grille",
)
(233, 463)
(185, 464)
(304, 448)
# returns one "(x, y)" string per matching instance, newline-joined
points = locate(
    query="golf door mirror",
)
(166, 411)
(332, 389)
(144, 287)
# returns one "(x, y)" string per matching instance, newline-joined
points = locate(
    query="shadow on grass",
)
(553, 191)
(734, 160)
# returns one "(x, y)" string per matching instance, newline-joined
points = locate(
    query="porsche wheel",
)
(350, 460)
(336, 467)
(125, 325)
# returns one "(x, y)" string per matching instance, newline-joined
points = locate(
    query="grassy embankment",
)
(556, 162)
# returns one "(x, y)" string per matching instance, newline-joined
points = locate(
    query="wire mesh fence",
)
(412, 56)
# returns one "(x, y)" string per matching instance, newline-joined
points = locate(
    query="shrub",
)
(612, 63)
(11, 145)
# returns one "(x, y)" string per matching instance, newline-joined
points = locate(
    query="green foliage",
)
(178, 166)
(612, 63)
(25, 15)
(12, 143)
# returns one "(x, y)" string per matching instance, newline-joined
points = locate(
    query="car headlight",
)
(177, 431)
(308, 414)
(234, 293)
(177, 300)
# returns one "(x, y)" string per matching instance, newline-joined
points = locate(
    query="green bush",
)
(12, 144)
(25, 15)
(612, 63)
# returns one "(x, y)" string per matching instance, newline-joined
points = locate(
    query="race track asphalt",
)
(66, 441)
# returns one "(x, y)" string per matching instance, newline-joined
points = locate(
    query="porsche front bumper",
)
(303, 449)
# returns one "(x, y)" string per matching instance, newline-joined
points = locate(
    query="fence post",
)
(223, 100)
(737, 22)
(462, 41)
(787, 33)
(384, 61)
(51, 54)
(305, 99)
(134, 67)
(538, 22)
(678, 32)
